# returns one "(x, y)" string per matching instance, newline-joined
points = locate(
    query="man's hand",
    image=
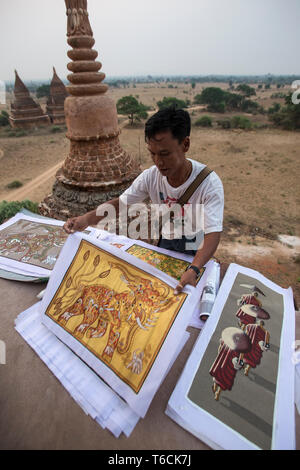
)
(188, 277)
(76, 224)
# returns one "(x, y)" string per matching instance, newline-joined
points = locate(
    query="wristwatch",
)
(194, 268)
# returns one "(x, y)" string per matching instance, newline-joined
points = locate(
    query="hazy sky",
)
(168, 37)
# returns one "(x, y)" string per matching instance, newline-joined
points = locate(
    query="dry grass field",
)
(259, 169)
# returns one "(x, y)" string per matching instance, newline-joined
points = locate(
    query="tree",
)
(43, 90)
(249, 106)
(211, 96)
(246, 90)
(214, 97)
(232, 100)
(166, 102)
(128, 105)
(274, 108)
(288, 117)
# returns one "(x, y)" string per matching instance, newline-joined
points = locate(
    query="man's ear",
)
(186, 143)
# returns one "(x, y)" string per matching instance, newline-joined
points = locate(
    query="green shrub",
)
(14, 184)
(166, 102)
(224, 123)
(288, 117)
(4, 121)
(274, 108)
(16, 133)
(249, 106)
(55, 129)
(9, 209)
(204, 121)
(240, 122)
(43, 90)
(217, 107)
(246, 89)
(20, 133)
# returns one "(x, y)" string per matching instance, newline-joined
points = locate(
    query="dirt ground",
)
(259, 169)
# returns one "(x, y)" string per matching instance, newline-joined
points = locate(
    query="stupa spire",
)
(97, 168)
(20, 87)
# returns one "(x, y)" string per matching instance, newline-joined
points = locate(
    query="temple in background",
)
(25, 112)
(55, 102)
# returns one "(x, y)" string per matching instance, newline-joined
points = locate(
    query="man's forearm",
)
(210, 244)
(94, 219)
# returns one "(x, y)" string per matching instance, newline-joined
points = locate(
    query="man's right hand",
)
(76, 224)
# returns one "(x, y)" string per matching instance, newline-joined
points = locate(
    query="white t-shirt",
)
(152, 184)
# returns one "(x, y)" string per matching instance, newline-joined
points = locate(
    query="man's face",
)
(167, 153)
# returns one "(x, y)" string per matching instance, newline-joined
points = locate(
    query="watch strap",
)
(194, 268)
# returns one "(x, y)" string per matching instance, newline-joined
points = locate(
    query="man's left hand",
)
(188, 277)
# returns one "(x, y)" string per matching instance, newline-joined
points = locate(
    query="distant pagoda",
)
(55, 102)
(97, 168)
(25, 112)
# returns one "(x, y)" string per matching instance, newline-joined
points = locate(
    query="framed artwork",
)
(29, 245)
(167, 263)
(174, 264)
(119, 314)
(237, 389)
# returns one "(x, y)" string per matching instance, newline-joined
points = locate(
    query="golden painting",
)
(170, 265)
(119, 312)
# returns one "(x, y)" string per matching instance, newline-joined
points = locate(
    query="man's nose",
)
(157, 160)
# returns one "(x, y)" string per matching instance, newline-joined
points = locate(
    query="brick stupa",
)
(25, 112)
(55, 102)
(97, 168)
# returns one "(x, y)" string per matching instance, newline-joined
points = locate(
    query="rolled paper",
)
(209, 292)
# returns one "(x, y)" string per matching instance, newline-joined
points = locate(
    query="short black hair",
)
(172, 119)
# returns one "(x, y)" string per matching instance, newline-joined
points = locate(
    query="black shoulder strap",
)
(194, 185)
(189, 192)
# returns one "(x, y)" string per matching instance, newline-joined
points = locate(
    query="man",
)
(167, 135)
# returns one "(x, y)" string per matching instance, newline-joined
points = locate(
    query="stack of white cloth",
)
(91, 393)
